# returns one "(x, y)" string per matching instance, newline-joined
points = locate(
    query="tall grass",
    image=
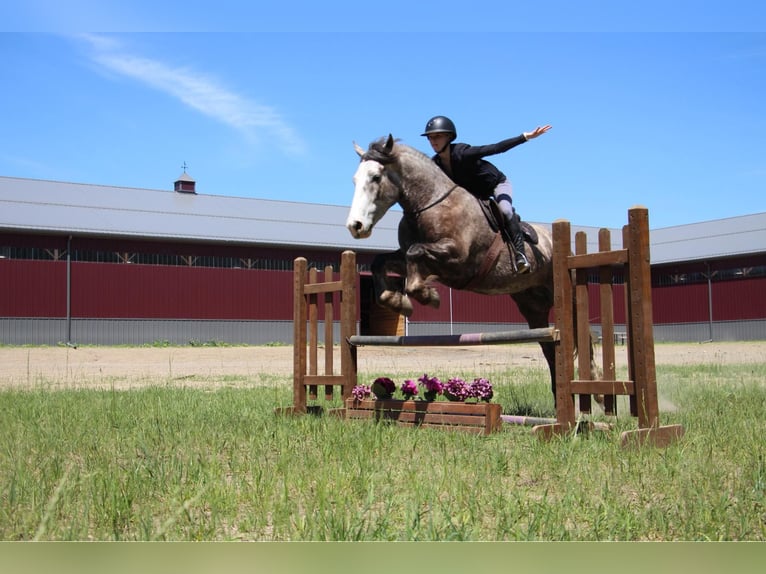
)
(170, 463)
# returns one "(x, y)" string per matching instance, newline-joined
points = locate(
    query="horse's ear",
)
(358, 149)
(389, 143)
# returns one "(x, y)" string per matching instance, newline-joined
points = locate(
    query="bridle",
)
(417, 212)
(384, 160)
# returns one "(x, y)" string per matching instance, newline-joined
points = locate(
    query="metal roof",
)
(744, 235)
(86, 209)
(32, 205)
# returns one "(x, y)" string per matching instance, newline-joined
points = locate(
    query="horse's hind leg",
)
(389, 291)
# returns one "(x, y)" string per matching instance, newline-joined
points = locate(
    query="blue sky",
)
(662, 107)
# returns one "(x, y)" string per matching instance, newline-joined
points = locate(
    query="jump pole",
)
(545, 334)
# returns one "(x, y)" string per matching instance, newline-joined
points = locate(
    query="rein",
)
(433, 203)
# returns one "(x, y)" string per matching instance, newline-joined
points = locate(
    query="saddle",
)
(497, 223)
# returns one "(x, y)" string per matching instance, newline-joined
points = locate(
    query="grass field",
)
(173, 462)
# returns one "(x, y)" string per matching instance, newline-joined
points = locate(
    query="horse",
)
(443, 236)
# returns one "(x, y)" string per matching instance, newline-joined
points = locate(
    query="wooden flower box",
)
(479, 418)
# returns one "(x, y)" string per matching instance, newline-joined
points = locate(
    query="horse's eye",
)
(376, 178)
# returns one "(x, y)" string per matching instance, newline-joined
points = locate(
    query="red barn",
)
(96, 264)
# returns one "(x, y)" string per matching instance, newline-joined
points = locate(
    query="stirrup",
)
(522, 264)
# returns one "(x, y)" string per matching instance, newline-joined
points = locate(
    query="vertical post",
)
(299, 335)
(582, 325)
(641, 339)
(563, 310)
(328, 332)
(348, 362)
(607, 320)
(313, 333)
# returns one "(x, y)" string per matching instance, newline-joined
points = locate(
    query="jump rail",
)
(570, 273)
(545, 334)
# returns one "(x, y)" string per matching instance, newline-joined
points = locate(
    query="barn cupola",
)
(184, 183)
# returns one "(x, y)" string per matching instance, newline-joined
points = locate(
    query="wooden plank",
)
(641, 337)
(326, 287)
(606, 301)
(480, 417)
(424, 406)
(659, 437)
(348, 314)
(312, 326)
(582, 323)
(421, 417)
(602, 387)
(549, 431)
(563, 312)
(313, 380)
(328, 332)
(598, 259)
(299, 334)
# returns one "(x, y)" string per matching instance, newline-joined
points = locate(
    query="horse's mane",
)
(377, 151)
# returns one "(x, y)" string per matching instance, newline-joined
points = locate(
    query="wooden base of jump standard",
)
(660, 436)
(479, 418)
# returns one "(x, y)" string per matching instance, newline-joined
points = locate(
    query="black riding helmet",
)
(440, 124)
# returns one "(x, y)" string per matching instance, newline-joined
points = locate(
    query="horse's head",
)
(374, 190)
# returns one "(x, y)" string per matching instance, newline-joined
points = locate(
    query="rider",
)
(464, 165)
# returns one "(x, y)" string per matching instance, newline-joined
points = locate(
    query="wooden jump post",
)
(309, 295)
(570, 285)
(571, 272)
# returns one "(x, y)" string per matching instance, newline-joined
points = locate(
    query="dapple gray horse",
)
(444, 236)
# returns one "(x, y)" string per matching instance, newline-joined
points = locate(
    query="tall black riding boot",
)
(517, 236)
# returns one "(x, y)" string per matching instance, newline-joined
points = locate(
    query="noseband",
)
(377, 155)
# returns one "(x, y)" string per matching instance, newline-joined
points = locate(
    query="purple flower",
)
(432, 385)
(456, 389)
(383, 388)
(409, 389)
(360, 392)
(481, 389)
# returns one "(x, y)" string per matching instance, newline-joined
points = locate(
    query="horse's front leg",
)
(423, 259)
(389, 291)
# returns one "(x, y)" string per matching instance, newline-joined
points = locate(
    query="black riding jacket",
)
(477, 175)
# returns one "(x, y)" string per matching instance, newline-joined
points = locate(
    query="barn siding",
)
(181, 304)
(31, 288)
(154, 292)
(743, 299)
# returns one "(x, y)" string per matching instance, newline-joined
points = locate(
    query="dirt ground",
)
(98, 367)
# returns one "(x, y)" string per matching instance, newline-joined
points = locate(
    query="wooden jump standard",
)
(571, 272)
(570, 284)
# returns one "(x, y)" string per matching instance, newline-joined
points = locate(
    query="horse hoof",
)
(397, 302)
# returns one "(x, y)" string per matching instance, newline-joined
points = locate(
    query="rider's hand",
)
(540, 130)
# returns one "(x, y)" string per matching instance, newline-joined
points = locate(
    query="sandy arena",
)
(63, 367)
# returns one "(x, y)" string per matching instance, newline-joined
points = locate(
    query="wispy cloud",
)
(202, 93)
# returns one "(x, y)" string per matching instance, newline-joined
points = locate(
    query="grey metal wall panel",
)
(143, 332)
(177, 332)
(438, 328)
(721, 331)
